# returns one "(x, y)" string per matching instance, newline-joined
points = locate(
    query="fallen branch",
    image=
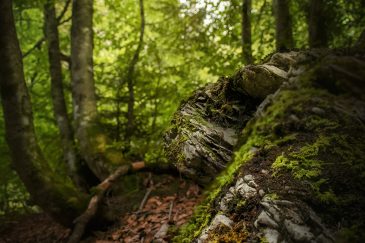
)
(148, 192)
(82, 221)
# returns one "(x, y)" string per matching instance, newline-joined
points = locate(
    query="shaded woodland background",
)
(146, 62)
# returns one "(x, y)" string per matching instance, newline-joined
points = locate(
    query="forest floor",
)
(164, 204)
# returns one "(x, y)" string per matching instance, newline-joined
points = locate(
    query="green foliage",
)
(187, 44)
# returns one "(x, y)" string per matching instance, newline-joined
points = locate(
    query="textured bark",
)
(317, 26)
(283, 27)
(48, 191)
(131, 76)
(39, 43)
(58, 97)
(92, 142)
(246, 32)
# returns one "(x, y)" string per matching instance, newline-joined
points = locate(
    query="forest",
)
(182, 121)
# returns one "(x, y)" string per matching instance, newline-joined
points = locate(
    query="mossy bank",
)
(297, 173)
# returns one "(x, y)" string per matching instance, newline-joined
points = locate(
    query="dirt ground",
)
(161, 207)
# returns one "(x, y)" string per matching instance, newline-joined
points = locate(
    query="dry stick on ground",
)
(149, 183)
(149, 190)
(82, 221)
(170, 211)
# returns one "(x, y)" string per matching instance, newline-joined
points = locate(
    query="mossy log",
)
(295, 169)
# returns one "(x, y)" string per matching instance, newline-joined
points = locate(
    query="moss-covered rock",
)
(206, 127)
(299, 166)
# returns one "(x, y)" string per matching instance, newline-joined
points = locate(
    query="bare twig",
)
(37, 45)
(148, 192)
(170, 211)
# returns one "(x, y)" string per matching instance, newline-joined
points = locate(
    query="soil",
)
(170, 202)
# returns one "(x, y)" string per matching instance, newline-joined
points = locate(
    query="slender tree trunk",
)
(58, 98)
(284, 33)
(317, 27)
(49, 191)
(130, 77)
(246, 32)
(92, 142)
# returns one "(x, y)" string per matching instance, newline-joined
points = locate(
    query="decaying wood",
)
(82, 221)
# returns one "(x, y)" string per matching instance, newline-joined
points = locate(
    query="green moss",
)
(317, 122)
(202, 216)
(226, 234)
(204, 212)
(303, 164)
(354, 233)
(310, 145)
(273, 196)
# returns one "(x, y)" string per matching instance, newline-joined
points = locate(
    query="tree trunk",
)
(47, 189)
(58, 98)
(284, 33)
(317, 26)
(246, 32)
(131, 76)
(92, 142)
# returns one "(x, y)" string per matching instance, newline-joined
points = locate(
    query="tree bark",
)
(284, 33)
(58, 97)
(48, 190)
(92, 142)
(39, 43)
(317, 26)
(246, 32)
(130, 76)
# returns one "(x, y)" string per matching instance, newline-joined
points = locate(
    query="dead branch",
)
(148, 192)
(82, 221)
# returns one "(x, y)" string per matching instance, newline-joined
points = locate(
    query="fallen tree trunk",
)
(298, 170)
(82, 221)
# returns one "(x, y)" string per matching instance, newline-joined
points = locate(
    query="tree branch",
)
(40, 42)
(64, 10)
(82, 221)
(37, 45)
